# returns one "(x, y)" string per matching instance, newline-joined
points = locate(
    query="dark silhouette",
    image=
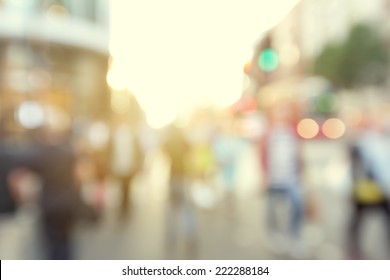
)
(370, 182)
(52, 158)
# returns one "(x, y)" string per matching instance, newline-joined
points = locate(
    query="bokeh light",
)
(247, 67)
(30, 115)
(308, 128)
(268, 60)
(333, 128)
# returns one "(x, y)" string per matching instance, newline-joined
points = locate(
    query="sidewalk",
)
(222, 234)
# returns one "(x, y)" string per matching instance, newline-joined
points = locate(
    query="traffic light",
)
(268, 57)
(268, 60)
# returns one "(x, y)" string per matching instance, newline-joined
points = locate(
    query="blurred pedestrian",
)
(51, 157)
(181, 213)
(226, 148)
(201, 166)
(9, 196)
(126, 161)
(280, 150)
(98, 153)
(371, 180)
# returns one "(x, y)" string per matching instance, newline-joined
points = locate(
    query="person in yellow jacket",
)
(201, 164)
(369, 190)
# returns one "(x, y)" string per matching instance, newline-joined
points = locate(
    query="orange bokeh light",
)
(333, 128)
(308, 128)
(248, 67)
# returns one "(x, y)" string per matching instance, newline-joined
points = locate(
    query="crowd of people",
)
(66, 161)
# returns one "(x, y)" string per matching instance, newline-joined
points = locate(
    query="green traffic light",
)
(268, 60)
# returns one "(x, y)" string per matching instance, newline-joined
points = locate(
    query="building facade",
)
(56, 53)
(307, 29)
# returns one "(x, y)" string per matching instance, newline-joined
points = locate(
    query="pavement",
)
(222, 233)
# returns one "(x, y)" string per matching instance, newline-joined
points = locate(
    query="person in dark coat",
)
(51, 157)
(370, 161)
(8, 195)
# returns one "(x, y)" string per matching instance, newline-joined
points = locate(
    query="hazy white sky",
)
(172, 54)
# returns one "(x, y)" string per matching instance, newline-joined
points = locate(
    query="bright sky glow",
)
(175, 54)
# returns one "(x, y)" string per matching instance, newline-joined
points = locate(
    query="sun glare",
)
(176, 54)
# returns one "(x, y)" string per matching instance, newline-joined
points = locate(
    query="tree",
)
(362, 59)
(328, 63)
